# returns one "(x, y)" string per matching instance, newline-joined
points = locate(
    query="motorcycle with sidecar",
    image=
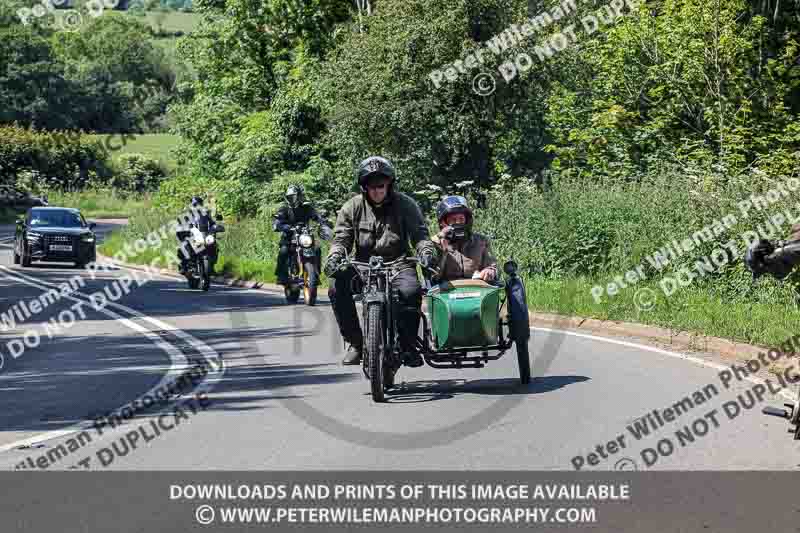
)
(466, 319)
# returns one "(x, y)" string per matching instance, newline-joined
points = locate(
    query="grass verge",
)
(690, 309)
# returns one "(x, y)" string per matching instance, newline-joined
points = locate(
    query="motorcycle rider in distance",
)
(465, 254)
(764, 257)
(296, 211)
(379, 221)
(199, 217)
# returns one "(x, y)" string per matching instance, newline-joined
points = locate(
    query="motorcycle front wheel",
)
(375, 350)
(310, 280)
(205, 273)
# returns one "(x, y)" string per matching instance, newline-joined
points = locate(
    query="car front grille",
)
(62, 240)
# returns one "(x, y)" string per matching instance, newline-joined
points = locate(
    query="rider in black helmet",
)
(296, 211)
(378, 221)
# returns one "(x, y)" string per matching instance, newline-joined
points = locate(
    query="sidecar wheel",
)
(524, 360)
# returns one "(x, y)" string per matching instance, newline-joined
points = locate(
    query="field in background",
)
(101, 203)
(154, 145)
(172, 21)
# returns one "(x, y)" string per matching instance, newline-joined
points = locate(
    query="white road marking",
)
(696, 360)
(177, 358)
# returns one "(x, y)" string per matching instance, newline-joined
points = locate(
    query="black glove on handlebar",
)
(333, 265)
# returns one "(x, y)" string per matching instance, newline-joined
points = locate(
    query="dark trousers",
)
(344, 308)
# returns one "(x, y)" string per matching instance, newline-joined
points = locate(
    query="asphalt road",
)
(277, 397)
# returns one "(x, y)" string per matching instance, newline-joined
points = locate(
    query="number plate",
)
(61, 247)
(308, 252)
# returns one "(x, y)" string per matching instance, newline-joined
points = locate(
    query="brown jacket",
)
(462, 259)
(386, 231)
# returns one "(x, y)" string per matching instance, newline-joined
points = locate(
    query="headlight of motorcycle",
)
(306, 241)
(209, 240)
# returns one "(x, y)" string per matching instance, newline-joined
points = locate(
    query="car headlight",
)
(33, 236)
(306, 241)
(87, 238)
(209, 240)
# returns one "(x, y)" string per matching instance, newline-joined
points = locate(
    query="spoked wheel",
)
(205, 273)
(374, 348)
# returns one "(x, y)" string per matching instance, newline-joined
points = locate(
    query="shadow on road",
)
(427, 391)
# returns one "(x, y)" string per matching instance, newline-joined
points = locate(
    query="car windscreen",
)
(62, 219)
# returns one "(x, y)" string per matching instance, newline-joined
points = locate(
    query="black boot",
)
(412, 359)
(353, 355)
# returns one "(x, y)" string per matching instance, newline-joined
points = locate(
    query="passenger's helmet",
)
(453, 204)
(196, 200)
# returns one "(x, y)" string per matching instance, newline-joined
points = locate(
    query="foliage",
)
(137, 173)
(58, 160)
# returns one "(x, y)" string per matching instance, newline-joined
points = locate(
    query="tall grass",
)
(577, 235)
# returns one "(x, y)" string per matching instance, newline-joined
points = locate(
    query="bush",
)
(65, 160)
(137, 173)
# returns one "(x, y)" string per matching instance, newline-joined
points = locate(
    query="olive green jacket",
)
(386, 231)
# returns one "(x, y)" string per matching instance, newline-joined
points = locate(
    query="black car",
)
(54, 234)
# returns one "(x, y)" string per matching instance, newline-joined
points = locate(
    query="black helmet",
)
(374, 166)
(453, 204)
(196, 200)
(295, 195)
(754, 257)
